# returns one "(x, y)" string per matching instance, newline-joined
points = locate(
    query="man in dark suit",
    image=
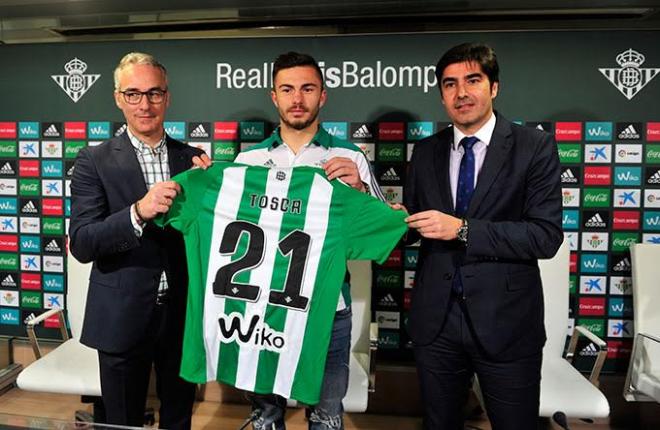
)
(485, 197)
(137, 293)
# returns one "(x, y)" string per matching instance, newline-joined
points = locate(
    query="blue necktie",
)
(465, 186)
(464, 191)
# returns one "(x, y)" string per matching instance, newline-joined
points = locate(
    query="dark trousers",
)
(511, 389)
(125, 377)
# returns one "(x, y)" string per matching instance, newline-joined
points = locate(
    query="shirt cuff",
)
(137, 227)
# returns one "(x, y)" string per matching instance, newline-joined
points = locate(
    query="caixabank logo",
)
(593, 284)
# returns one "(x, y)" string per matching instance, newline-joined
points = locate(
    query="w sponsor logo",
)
(253, 334)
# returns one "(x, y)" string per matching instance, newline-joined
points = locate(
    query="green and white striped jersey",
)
(267, 251)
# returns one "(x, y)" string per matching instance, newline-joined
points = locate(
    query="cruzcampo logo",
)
(52, 226)
(653, 154)
(621, 241)
(224, 151)
(252, 131)
(595, 326)
(390, 152)
(570, 153)
(8, 261)
(572, 284)
(8, 149)
(28, 187)
(30, 299)
(73, 147)
(596, 197)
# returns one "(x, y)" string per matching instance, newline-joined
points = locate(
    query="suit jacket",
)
(124, 280)
(514, 218)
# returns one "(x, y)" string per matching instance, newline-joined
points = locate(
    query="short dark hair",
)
(478, 53)
(295, 59)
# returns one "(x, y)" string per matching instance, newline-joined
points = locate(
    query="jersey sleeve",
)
(186, 204)
(372, 228)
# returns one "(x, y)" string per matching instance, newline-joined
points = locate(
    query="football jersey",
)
(267, 251)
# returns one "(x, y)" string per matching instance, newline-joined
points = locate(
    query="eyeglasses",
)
(133, 97)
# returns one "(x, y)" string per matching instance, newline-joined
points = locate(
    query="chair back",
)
(76, 295)
(555, 279)
(361, 304)
(646, 287)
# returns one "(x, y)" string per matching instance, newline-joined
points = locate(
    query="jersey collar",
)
(321, 138)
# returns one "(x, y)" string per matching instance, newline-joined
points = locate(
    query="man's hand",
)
(398, 206)
(434, 224)
(158, 200)
(346, 170)
(203, 161)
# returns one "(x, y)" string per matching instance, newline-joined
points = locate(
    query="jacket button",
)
(448, 276)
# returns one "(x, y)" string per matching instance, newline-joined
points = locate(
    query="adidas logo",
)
(654, 179)
(539, 127)
(6, 169)
(29, 208)
(388, 300)
(362, 132)
(70, 171)
(51, 131)
(629, 133)
(390, 175)
(567, 177)
(52, 246)
(120, 130)
(622, 266)
(8, 282)
(269, 163)
(589, 351)
(595, 221)
(199, 131)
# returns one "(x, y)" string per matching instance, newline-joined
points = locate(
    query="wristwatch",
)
(462, 232)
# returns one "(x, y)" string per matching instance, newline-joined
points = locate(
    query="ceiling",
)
(27, 21)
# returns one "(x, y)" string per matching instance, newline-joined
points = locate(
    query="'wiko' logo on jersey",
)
(255, 334)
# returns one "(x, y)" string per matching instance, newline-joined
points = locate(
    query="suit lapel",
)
(128, 167)
(496, 155)
(441, 169)
(176, 157)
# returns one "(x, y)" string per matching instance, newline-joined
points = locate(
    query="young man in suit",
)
(485, 197)
(137, 293)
